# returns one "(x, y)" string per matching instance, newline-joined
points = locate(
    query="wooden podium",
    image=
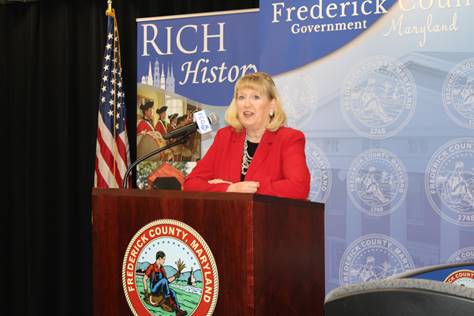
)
(269, 251)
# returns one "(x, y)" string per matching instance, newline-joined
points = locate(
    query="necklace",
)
(246, 158)
(253, 139)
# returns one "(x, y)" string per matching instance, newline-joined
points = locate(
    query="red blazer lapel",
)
(261, 154)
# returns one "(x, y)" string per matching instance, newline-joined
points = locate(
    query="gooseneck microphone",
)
(201, 123)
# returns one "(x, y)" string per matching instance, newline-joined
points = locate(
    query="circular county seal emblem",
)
(379, 97)
(449, 181)
(458, 93)
(168, 269)
(321, 177)
(373, 257)
(377, 182)
(461, 277)
(462, 255)
(299, 96)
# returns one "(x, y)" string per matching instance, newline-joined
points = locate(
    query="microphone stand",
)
(181, 140)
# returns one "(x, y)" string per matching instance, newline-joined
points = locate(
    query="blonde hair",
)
(264, 84)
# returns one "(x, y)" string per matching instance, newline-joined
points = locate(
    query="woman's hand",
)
(241, 187)
(244, 187)
(217, 181)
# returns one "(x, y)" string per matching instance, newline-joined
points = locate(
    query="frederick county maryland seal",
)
(377, 182)
(458, 93)
(299, 95)
(321, 177)
(168, 269)
(373, 257)
(462, 255)
(463, 277)
(379, 97)
(449, 181)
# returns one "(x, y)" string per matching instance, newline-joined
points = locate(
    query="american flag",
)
(112, 150)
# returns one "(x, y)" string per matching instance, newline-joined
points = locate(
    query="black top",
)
(251, 148)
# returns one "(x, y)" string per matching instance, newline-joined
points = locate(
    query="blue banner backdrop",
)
(184, 64)
(384, 91)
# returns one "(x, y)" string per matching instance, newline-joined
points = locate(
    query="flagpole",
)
(109, 11)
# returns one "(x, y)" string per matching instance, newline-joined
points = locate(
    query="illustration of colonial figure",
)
(467, 94)
(145, 124)
(157, 285)
(457, 188)
(367, 271)
(371, 187)
(372, 104)
(370, 271)
(173, 122)
(162, 125)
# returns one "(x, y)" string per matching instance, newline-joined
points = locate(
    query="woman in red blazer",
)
(255, 153)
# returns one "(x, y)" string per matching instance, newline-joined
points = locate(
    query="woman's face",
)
(254, 108)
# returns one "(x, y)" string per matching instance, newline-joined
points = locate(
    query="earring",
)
(272, 114)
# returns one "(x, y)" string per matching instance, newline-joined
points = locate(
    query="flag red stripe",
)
(105, 163)
(99, 179)
(109, 159)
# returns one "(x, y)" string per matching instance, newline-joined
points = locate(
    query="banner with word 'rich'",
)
(186, 64)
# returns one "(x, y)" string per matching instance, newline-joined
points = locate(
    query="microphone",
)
(201, 123)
